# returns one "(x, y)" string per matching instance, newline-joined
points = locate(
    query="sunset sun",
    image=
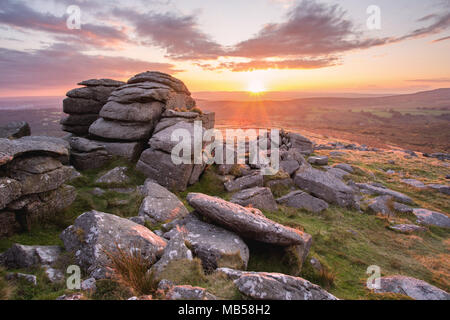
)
(256, 87)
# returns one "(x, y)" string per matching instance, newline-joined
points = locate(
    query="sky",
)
(257, 45)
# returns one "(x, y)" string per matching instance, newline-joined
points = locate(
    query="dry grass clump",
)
(132, 270)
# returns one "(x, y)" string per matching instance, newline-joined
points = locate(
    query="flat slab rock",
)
(318, 160)
(159, 77)
(407, 228)
(414, 183)
(97, 93)
(257, 197)
(95, 233)
(442, 188)
(302, 200)
(10, 149)
(428, 217)
(160, 205)
(39, 174)
(325, 186)
(215, 246)
(120, 130)
(414, 288)
(101, 82)
(133, 112)
(81, 106)
(377, 190)
(344, 166)
(275, 286)
(245, 182)
(127, 150)
(249, 223)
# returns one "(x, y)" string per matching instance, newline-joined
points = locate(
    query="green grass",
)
(20, 289)
(186, 272)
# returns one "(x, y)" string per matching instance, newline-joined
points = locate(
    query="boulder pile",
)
(111, 118)
(156, 162)
(83, 104)
(32, 181)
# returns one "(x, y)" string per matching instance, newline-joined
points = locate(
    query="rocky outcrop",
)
(32, 181)
(318, 160)
(115, 176)
(92, 154)
(257, 197)
(407, 228)
(414, 288)
(95, 234)
(119, 119)
(133, 110)
(158, 163)
(15, 130)
(215, 246)
(344, 166)
(33, 208)
(275, 286)
(325, 186)
(433, 218)
(245, 182)
(183, 292)
(160, 205)
(12, 149)
(175, 250)
(302, 200)
(380, 190)
(21, 256)
(84, 104)
(382, 205)
(27, 257)
(249, 223)
(297, 141)
(442, 188)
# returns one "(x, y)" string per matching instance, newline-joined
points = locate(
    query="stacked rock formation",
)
(133, 110)
(83, 104)
(156, 162)
(140, 114)
(32, 181)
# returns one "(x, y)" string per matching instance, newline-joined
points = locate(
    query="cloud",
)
(63, 66)
(312, 34)
(311, 28)
(271, 64)
(18, 15)
(441, 39)
(439, 23)
(180, 36)
(431, 80)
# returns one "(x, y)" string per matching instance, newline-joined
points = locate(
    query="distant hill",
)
(439, 98)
